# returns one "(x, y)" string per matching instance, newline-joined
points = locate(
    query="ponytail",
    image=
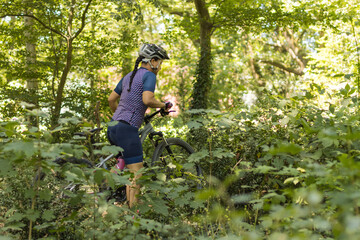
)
(138, 60)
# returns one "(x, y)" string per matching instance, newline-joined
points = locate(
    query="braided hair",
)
(138, 60)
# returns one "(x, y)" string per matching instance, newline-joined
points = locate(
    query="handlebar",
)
(163, 113)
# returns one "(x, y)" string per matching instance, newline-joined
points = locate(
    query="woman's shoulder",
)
(148, 75)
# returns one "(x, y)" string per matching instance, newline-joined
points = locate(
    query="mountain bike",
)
(170, 158)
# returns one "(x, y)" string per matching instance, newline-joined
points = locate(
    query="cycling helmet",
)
(150, 51)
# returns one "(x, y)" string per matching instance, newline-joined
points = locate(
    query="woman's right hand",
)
(168, 105)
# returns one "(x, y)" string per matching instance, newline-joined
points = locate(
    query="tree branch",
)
(171, 10)
(38, 20)
(70, 20)
(293, 48)
(83, 19)
(282, 66)
(203, 11)
(216, 12)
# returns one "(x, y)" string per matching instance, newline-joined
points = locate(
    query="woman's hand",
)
(168, 105)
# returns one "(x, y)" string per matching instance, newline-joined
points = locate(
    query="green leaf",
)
(121, 179)
(27, 105)
(43, 226)
(332, 108)
(242, 198)
(308, 95)
(225, 122)
(77, 171)
(194, 124)
(38, 113)
(197, 156)
(180, 202)
(286, 148)
(98, 176)
(10, 128)
(149, 224)
(347, 87)
(27, 148)
(112, 123)
(178, 180)
(338, 75)
(29, 193)
(327, 142)
(263, 169)
(348, 76)
(45, 194)
(222, 153)
(16, 217)
(206, 194)
(317, 155)
(284, 121)
(306, 125)
(160, 206)
(110, 180)
(48, 215)
(70, 176)
(111, 149)
(14, 226)
(293, 180)
(32, 214)
(196, 111)
(5, 166)
(161, 177)
(275, 197)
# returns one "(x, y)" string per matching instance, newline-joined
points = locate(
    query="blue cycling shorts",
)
(127, 137)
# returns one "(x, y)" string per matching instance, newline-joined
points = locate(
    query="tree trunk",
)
(203, 80)
(31, 80)
(66, 70)
(30, 65)
(70, 38)
(60, 90)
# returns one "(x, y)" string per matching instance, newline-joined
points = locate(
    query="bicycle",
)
(170, 158)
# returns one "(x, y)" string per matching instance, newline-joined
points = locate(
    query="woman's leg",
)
(127, 137)
(133, 189)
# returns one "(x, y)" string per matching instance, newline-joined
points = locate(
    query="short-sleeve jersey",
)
(131, 107)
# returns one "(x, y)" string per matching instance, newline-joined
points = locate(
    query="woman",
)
(136, 94)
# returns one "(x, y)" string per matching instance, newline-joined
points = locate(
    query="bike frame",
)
(143, 133)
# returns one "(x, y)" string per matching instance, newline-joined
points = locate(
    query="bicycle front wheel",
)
(172, 158)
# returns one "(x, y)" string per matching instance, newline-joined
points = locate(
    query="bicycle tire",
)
(179, 167)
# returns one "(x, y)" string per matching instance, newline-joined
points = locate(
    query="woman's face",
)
(156, 64)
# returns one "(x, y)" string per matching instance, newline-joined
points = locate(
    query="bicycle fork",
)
(161, 135)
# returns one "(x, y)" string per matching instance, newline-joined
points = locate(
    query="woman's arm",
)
(113, 101)
(150, 101)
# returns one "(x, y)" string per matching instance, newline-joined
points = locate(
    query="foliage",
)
(286, 169)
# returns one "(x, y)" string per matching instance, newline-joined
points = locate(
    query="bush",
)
(287, 169)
